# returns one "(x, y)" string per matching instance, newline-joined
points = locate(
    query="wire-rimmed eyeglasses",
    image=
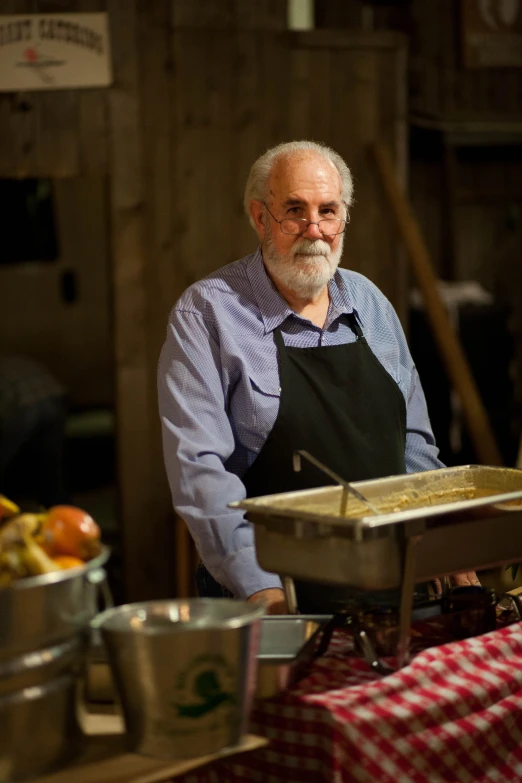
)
(329, 227)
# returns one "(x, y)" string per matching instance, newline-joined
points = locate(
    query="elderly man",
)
(280, 351)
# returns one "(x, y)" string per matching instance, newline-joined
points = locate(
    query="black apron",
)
(339, 404)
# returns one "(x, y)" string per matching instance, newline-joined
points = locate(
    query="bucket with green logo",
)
(184, 672)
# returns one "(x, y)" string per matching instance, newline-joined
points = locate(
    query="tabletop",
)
(453, 715)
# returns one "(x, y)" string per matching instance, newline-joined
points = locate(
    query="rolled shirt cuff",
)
(243, 576)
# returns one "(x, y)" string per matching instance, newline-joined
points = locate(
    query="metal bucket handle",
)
(98, 578)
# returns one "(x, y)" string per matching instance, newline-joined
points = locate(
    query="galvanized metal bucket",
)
(44, 634)
(184, 672)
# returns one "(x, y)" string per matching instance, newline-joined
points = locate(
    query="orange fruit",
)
(67, 561)
(67, 530)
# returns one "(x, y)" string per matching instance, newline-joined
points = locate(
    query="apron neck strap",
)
(353, 321)
(278, 338)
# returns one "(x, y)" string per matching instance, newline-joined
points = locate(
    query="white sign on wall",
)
(54, 51)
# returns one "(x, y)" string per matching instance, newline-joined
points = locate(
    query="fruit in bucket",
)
(67, 530)
(67, 561)
(7, 508)
(33, 544)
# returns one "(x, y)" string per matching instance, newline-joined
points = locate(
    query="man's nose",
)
(312, 231)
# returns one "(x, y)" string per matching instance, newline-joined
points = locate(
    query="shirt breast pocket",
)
(266, 394)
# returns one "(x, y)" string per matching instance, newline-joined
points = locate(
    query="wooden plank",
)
(216, 14)
(216, 204)
(345, 140)
(322, 106)
(191, 117)
(155, 85)
(247, 139)
(363, 86)
(372, 256)
(229, 14)
(93, 122)
(274, 64)
(335, 14)
(346, 39)
(398, 140)
(104, 759)
(299, 109)
(391, 125)
(146, 573)
(18, 134)
(450, 349)
(93, 114)
(58, 148)
(261, 15)
(17, 117)
(160, 274)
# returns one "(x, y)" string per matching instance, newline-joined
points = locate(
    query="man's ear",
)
(257, 214)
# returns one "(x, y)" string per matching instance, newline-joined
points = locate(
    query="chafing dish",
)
(431, 524)
(473, 523)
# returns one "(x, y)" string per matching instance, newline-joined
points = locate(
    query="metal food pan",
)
(475, 522)
(286, 646)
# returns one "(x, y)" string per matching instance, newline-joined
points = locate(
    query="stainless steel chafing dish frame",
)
(397, 549)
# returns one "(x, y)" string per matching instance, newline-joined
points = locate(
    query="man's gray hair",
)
(256, 187)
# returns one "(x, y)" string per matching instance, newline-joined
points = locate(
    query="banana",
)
(35, 559)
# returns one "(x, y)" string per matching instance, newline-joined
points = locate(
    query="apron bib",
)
(338, 403)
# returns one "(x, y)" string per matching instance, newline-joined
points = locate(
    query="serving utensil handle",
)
(290, 596)
(347, 487)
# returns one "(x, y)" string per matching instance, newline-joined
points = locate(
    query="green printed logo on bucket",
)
(204, 686)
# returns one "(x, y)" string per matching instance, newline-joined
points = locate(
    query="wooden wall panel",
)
(144, 534)
(356, 95)
(441, 86)
(157, 96)
(201, 89)
(246, 127)
(18, 135)
(93, 124)
(58, 133)
(17, 117)
(58, 137)
(229, 14)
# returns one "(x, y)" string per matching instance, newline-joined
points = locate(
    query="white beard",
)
(307, 267)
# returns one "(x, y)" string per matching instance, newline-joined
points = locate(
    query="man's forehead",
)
(304, 169)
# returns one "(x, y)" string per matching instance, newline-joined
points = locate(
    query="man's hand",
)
(464, 579)
(273, 598)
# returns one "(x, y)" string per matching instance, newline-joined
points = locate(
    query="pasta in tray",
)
(392, 503)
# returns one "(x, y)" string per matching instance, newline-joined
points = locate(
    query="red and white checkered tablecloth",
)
(453, 715)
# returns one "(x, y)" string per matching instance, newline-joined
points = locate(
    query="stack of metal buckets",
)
(44, 635)
(184, 671)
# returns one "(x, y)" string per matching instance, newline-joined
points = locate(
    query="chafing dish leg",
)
(370, 656)
(290, 596)
(407, 590)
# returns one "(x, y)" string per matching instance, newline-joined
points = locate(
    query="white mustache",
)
(307, 247)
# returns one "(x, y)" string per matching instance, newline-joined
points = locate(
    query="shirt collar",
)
(275, 310)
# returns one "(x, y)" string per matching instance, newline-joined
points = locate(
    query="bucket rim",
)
(247, 613)
(28, 582)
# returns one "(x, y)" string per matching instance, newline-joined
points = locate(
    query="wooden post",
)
(448, 344)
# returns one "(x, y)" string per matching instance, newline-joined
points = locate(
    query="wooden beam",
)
(146, 562)
(447, 342)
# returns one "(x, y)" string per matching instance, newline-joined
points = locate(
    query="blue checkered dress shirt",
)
(218, 387)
